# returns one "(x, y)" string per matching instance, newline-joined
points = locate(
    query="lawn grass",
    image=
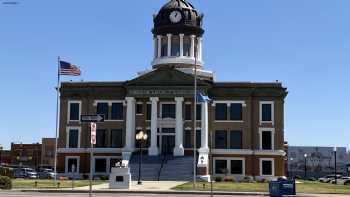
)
(304, 187)
(50, 184)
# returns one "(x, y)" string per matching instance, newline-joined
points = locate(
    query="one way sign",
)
(92, 118)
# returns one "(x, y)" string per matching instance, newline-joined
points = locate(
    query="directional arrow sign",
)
(92, 118)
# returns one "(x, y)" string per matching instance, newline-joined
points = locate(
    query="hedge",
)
(5, 182)
(5, 171)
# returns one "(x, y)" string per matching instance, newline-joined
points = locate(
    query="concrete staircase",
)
(177, 169)
(149, 170)
(168, 168)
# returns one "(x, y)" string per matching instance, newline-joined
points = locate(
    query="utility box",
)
(120, 178)
(282, 187)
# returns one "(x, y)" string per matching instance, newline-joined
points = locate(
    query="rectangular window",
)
(198, 138)
(168, 111)
(101, 138)
(266, 166)
(220, 139)
(117, 111)
(74, 111)
(266, 112)
(199, 112)
(221, 167)
(236, 111)
(100, 165)
(73, 138)
(164, 49)
(237, 167)
(139, 109)
(266, 140)
(188, 139)
(149, 112)
(236, 140)
(117, 138)
(72, 165)
(188, 112)
(221, 111)
(103, 109)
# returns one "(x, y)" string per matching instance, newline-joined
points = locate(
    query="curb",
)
(150, 192)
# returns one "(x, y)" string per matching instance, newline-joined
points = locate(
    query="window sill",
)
(114, 120)
(139, 114)
(229, 121)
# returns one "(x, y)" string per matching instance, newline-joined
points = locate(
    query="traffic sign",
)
(93, 132)
(92, 118)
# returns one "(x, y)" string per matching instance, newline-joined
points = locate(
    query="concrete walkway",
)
(146, 186)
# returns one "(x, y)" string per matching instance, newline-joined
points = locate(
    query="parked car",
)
(345, 180)
(28, 173)
(329, 178)
(46, 174)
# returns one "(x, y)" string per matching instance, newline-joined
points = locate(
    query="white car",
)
(328, 178)
(342, 181)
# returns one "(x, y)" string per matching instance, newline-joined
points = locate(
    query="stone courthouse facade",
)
(243, 123)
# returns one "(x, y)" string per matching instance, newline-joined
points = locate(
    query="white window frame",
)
(66, 164)
(110, 102)
(272, 130)
(67, 135)
(272, 103)
(68, 114)
(272, 167)
(228, 162)
(228, 103)
(139, 103)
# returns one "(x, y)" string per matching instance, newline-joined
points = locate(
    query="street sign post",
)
(92, 118)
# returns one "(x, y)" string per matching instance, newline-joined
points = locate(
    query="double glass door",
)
(167, 140)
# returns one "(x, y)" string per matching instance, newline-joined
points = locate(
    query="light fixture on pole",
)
(305, 156)
(335, 165)
(140, 137)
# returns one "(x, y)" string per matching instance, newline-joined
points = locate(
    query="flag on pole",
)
(201, 98)
(67, 68)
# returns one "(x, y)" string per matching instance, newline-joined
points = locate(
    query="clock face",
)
(175, 16)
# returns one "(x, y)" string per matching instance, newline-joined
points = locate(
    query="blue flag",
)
(201, 98)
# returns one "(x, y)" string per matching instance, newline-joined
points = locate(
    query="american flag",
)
(69, 69)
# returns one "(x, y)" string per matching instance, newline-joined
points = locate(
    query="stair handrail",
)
(164, 160)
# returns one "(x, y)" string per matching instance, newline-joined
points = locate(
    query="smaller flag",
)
(201, 98)
(69, 69)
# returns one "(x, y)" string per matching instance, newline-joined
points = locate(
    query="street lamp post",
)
(140, 137)
(305, 156)
(335, 164)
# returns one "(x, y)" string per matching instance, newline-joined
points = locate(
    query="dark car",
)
(46, 174)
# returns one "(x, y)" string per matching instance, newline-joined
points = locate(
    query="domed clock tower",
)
(178, 36)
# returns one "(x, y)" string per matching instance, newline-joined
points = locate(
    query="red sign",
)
(93, 132)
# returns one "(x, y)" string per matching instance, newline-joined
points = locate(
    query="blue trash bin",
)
(282, 187)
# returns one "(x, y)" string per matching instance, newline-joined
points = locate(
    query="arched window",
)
(175, 46)
(164, 47)
(187, 46)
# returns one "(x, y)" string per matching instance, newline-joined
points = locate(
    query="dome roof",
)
(189, 21)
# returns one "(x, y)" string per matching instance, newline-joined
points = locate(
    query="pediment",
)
(165, 77)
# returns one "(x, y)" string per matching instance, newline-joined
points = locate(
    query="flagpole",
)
(195, 120)
(57, 115)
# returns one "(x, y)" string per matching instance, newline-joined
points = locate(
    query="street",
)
(28, 194)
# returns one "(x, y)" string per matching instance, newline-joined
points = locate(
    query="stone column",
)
(182, 45)
(159, 39)
(179, 149)
(153, 149)
(130, 124)
(200, 42)
(169, 44)
(192, 45)
(204, 123)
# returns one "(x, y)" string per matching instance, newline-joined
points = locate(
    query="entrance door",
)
(168, 144)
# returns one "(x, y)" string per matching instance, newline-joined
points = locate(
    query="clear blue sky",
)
(304, 44)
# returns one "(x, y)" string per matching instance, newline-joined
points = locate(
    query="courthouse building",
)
(243, 123)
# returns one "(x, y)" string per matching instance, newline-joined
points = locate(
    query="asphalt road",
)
(25, 194)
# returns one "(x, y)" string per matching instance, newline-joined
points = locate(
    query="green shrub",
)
(5, 171)
(312, 179)
(297, 177)
(5, 182)
(218, 179)
(247, 179)
(263, 181)
(104, 178)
